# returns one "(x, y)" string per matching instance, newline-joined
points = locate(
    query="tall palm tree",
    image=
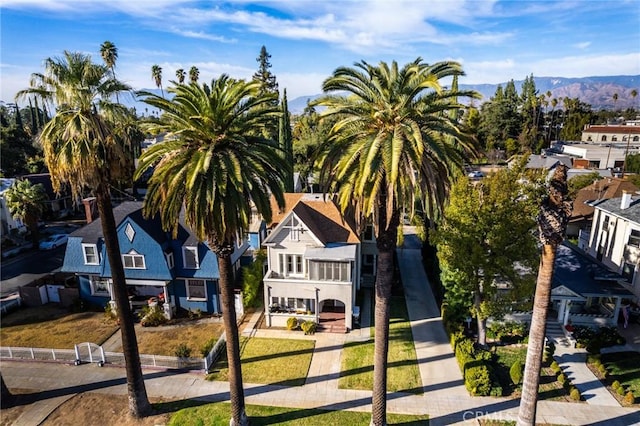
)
(84, 147)
(552, 224)
(194, 74)
(156, 74)
(217, 166)
(109, 53)
(395, 144)
(27, 202)
(180, 75)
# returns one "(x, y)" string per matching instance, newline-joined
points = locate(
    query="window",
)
(636, 138)
(291, 264)
(196, 289)
(170, 261)
(368, 233)
(99, 286)
(190, 257)
(90, 252)
(627, 271)
(614, 138)
(294, 229)
(634, 238)
(133, 260)
(329, 271)
(604, 138)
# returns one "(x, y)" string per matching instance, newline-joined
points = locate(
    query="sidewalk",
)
(444, 399)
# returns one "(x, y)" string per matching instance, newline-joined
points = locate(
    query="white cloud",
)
(582, 45)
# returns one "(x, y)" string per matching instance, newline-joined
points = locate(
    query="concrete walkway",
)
(444, 398)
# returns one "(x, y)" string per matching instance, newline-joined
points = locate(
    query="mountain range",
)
(595, 91)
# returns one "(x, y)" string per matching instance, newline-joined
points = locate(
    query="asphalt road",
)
(26, 267)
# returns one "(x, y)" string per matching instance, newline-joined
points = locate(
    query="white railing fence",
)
(89, 352)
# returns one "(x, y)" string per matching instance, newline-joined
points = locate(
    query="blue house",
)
(179, 273)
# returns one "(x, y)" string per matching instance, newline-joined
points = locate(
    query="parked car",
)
(53, 241)
(477, 174)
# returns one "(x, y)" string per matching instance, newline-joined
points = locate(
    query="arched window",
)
(636, 138)
(614, 138)
(604, 138)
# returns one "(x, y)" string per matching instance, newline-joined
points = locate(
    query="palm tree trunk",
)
(528, 400)
(386, 244)
(236, 392)
(138, 401)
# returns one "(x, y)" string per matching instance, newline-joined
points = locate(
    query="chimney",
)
(625, 202)
(89, 208)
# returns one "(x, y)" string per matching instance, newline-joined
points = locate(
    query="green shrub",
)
(110, 313)
(574, 394)
(562, 379)
(194, 314)
(551, 347)
(152, 316)
(309, 327)
(516, 372)
(555, 367)
(615, 385)
(621, 391)
(292, 323)
(603, 369)
(478, 380)
(252, 280)
(206, 348)
(183, 351)
(629, 398)
(496, 390)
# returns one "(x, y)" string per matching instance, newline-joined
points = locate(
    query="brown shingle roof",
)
(321, 215)
(603, 189)
(634, 130)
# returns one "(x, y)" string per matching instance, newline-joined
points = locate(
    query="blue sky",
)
(494, 40)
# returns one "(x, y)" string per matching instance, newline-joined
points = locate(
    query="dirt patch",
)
(83, 409)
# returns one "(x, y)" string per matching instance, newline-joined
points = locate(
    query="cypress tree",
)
(285, 141)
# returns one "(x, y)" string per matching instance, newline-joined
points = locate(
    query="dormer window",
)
(190, 258)
(90, 254)
(133, 260)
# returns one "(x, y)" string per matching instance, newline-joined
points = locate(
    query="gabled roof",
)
(612, 206)
(320, 215)
(602, 189)
(585, 276)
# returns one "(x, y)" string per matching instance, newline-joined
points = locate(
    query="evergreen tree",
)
(286, 142)
(268, 83)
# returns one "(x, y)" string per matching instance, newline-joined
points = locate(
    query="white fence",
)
(214, 353)
(95, 354)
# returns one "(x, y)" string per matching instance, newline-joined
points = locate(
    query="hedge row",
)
(475, 364)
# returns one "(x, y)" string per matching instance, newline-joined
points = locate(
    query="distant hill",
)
(596, 91)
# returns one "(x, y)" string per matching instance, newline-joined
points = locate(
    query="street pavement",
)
(444, 398)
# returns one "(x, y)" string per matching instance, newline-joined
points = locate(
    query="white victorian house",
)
(313, 258)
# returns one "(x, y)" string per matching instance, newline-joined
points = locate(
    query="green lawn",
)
(270, 361)
(218, 414)
(624, 367)
(403, 374)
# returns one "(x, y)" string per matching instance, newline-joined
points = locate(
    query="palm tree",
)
(180, 75)
(109, 53)
(27, 202)
(634, 93)
(156, 74)
(552, 224)
(194, 74)
(217, 166)
(84, 147)
(395, 144)
(615, 100)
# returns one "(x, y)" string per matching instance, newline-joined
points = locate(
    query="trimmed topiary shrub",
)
(575, 394)
(152, 316)
(555, 367)
(292, 323)
(562, 379)
(615, 385)
(496, 390)
(309, 327)
(621, 391)
(516, 372)
(478, 380)
(629, 398)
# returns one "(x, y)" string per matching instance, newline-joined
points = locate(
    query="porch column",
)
(317, 305)
(267, 304)
(567, 313)
(616, 311)
(563, 307)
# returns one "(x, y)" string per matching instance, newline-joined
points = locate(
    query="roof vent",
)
(625, 201)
